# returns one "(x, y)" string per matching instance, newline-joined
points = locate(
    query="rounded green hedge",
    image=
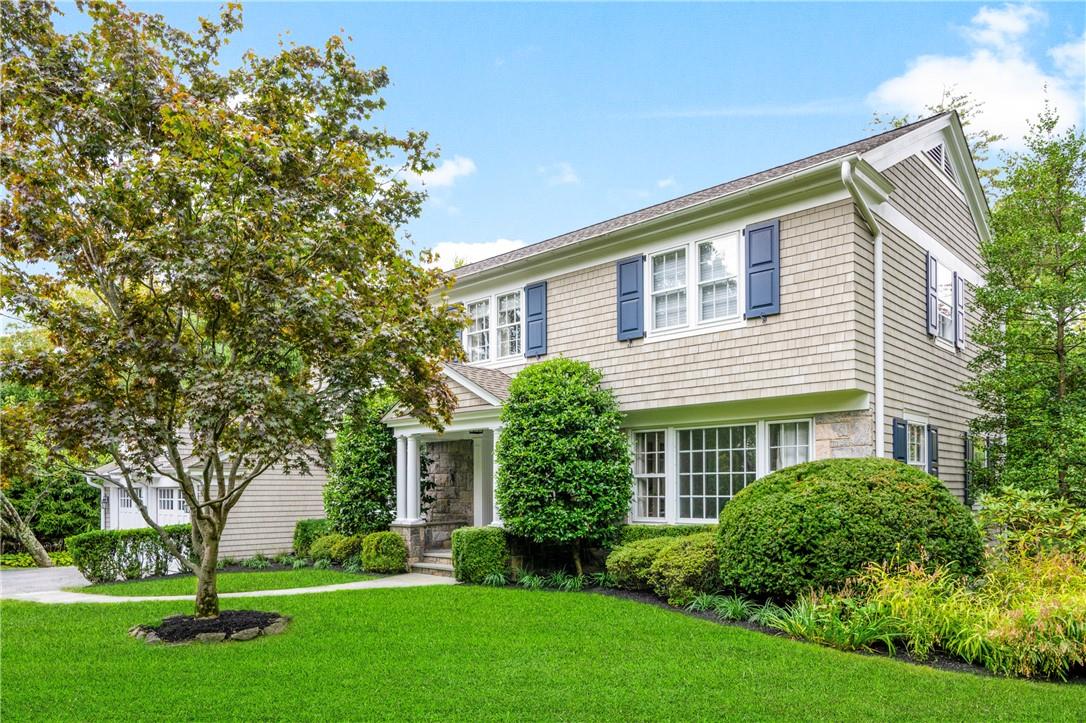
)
(685, 568)
(321, 549)
(478, 552)
(817, 524)
(630, 564)
(384, 552)
(347, 547)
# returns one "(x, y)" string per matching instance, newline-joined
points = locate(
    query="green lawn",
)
(474, 653)
(229, 582)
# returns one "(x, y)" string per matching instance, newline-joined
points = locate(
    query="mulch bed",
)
(229, 625)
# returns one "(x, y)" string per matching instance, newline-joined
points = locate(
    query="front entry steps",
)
(434, 562)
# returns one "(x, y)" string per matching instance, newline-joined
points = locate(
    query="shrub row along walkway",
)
(63, 596)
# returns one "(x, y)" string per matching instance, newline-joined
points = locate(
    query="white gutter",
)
(880, 361)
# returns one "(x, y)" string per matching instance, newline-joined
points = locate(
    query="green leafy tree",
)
(969, 110)
(1031, 370)
(237, 230)
(360, 495)
(563, 461)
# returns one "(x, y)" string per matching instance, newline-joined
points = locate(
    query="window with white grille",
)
(714, 464)
(478, 336)
(789, 444)
(650, 475)
(509, 324)
(669, 289)
(718, 273)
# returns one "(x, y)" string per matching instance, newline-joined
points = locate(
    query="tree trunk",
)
(14, 523)
(577, 558)
(207, 587)
(1061, 395)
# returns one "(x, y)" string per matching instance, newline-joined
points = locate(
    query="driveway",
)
(39, 579)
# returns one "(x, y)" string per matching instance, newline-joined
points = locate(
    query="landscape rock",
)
(246, 634)
(211, 637)
(152, 639)
(277, 627)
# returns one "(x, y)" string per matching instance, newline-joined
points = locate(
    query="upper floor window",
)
(509, 324)
(916, 445)
(698, 283)
(669, 289)
(478, 336)
(944, 282)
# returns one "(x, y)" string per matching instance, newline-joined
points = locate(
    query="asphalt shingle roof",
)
(492, 380)
(693, 199)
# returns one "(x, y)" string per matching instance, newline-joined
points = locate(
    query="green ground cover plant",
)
(476, 653)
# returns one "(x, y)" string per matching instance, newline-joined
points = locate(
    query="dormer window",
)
(938, 156)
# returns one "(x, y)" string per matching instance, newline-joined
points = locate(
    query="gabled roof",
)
(492, 381)
(693, 199)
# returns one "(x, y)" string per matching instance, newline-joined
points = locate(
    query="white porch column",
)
(478, 473)
(495, 520)
(412, 487)
(401, 477)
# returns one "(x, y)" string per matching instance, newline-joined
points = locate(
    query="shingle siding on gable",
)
(922, 196)
(467, 401)
(923, 377)
(812, 346)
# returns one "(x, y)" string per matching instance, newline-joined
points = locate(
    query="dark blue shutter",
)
(631, 298)
(959, 311)
(933, 295)
(535, 319)
(763, 269)
(901, 440)
(933, 451)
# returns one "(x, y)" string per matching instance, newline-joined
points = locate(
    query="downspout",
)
(880, 362)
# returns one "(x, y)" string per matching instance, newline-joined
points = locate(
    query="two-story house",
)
(817, 309)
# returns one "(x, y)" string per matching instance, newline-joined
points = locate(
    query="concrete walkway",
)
(56, 595)
(39, 579)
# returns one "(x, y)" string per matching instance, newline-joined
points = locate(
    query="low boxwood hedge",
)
(817, 524)
(347, 547)
(321, 549)
(685, 567)
(110, 555)
(633, 533)
(478, 552)
(630, 564)
(306, 532)
(384, 552)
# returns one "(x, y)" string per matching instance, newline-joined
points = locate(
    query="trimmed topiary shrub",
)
(306, 533)
(479, 552)
(322, 548)
(360, 496)
(633, 533)
(347, 547)
(384, 552)
(817, 524)
(629, 565)
(564, 462)
(685, 567)
(110, 555)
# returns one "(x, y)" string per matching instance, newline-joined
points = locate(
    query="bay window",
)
(689, 474)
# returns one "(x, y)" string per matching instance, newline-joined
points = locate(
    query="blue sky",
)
(550, 117)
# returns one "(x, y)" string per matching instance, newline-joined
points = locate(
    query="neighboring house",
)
(817, 309)
(262, 522)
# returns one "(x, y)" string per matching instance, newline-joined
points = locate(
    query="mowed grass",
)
(472, 653)
(228, 582)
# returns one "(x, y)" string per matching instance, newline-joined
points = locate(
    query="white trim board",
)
(928, 242)
(471, 386)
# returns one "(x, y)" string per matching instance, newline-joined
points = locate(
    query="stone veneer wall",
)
(452, 471)
(844, 434)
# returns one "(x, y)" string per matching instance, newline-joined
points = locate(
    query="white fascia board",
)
(929, 243)
(471, 386)
(463, 422)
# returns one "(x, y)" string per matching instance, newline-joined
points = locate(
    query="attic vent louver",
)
(939, 157)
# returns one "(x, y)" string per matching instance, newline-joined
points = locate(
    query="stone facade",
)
(452, 471)
(844, 434)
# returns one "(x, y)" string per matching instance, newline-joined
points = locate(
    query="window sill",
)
(708, 327)
(508, 361)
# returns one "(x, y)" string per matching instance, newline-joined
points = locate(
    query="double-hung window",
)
(650, 478)
(669, 289)
(916, 445)
(944, 281)
(718, 278)
(509, 342)
(789, 444)
(478, 335)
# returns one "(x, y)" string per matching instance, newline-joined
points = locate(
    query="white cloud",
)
(1070, 58)
(445, 175)
(560, 174)
(668, 182)
(997, 71)
(450, 254)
